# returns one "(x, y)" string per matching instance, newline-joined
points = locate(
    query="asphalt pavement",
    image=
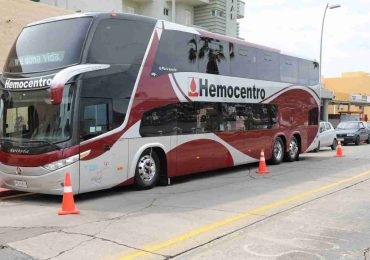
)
(316, 208)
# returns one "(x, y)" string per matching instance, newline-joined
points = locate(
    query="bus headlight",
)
(61, 163)
(64, 162)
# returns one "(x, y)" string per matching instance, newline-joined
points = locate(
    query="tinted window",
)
(243, 62)
(48, 46)
(264, 116)
(177, 52)
(288, 69)
(116, 87)
(29, 115)
(208, 118)
(304, 71)
(120, 42)
(159, 121)
(187, 118)
(213, 56)
(268, 66)
(313, 116)
(95, 117)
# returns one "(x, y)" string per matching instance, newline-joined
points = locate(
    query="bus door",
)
(96, 119)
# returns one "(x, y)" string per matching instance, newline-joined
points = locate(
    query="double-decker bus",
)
(118, 99)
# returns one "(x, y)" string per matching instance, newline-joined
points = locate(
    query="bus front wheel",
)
(147, 170)
(277, 151)
(293, 153)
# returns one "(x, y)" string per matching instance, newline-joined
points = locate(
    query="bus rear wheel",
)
(277, 151)
(147, 170)
(293, 153)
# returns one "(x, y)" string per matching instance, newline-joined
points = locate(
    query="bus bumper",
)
(49, 183)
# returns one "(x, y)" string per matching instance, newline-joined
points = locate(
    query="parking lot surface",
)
(316, 208)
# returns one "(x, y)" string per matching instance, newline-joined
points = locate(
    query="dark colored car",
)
(353, 132)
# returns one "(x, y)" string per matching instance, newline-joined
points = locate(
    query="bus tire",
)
(293, 150)
(277, 151)
(317, 149)
(147, 170)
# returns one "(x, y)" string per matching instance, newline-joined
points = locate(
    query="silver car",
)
(326, 137)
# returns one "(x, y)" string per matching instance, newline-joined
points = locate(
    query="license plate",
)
(21, 184)
(341, 139)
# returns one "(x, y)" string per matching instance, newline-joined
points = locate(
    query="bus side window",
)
(96, 117)
(314, 73)
(243, 62)
(118, 41)
(268, 65)
(187, 118)
(214, 56)
(208, 117)
(313, 116)
(304, 71)
(159, 121)
(288, 69)
(177, 52)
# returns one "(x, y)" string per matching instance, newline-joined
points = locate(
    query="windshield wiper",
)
(45, 142)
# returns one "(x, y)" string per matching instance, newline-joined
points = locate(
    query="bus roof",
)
(99, 15)
(170, 26)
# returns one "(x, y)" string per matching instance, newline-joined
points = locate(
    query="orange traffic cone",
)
(339, 150)
(262, 165)
(68, 204)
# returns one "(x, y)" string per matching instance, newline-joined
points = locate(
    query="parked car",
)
(353, 132)
(326, 137)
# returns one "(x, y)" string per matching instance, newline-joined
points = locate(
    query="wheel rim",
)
(146, 168)
(293, 149)
(278, 150)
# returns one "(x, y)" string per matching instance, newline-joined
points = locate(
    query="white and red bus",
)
(118, 99)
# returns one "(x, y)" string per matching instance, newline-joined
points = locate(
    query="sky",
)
(294, 27)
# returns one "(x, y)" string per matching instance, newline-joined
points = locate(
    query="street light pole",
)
(322, 32)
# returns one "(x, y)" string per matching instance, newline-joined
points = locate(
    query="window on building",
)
(166, 11)
(217, 13)
(188, 20)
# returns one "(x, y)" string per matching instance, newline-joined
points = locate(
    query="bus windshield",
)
(29, 116)
(48, 46)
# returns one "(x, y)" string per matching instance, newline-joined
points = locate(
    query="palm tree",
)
(193, 50)
(214, 54)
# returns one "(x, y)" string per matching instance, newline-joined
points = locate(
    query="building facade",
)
(351, 95)
(219, 16)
